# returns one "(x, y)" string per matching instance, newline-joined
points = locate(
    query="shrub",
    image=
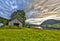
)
(11, 27)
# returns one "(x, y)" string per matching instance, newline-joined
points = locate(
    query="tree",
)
(4, 21)
(19, 14)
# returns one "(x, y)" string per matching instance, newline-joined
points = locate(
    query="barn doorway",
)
(16, 24)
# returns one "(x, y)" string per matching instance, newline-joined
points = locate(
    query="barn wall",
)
(11, 23)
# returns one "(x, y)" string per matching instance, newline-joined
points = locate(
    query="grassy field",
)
(28, 34)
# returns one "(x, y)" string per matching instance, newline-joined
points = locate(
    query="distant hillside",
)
(51, 21)
(3, 20)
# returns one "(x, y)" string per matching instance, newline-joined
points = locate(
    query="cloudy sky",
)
(31, 7)
(9, 6)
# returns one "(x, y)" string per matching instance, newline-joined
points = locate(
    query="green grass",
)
(28, 34)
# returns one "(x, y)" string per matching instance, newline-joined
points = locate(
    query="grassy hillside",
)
(26, 34)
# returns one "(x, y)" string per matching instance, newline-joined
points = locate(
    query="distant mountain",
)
(51, 21)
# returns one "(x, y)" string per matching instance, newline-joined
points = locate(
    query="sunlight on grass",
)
(26, 34)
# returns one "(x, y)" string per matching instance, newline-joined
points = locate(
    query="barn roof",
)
(17, 19)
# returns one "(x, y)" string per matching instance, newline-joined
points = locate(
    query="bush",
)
(11, 27)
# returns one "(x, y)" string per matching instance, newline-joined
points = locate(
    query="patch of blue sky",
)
(9, 6)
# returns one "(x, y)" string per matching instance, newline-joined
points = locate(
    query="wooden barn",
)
(15, 22)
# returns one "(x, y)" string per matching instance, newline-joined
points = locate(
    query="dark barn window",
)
(16, 24)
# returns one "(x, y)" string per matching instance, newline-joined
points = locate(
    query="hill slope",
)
(26, 34)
